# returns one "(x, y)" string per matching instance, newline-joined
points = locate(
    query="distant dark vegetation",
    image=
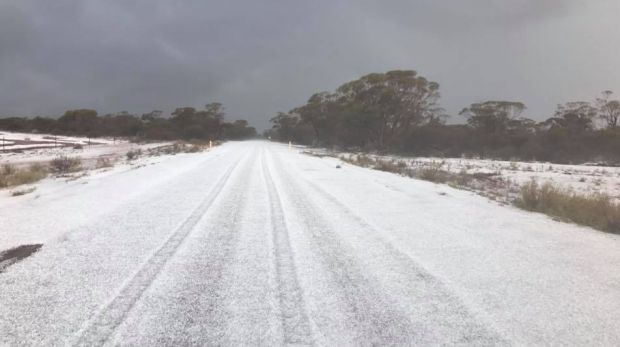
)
(185, 123)
(399, 112)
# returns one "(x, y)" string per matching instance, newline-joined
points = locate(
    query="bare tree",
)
(608, 110)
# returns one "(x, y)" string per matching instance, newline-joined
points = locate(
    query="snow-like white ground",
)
(582, 179)
(14, 140)
(254, 243)
(42, 148)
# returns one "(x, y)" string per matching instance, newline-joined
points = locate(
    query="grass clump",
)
(134, 154)
(388, 166)
(178, 147)
(64, 165)
(434, 173)
(195, 148)
(23, 191)
(362, 160)
(11, 176)
(103, 162)
(595, 210)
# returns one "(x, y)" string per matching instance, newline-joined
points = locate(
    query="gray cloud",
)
(258, 57)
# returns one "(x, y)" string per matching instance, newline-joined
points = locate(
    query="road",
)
(254, 243)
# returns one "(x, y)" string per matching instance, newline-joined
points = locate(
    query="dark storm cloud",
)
(258, 57)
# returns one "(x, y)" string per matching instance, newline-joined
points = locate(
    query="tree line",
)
(399, 112)
(185, 123)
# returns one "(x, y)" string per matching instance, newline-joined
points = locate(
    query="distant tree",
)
(394, 102)
(15, 124)
(202, 124)
(238, 130)
(151, 116)
(42, 125)
(284, 125)
(574, 117)
(79, 122)
(212, 118)
(498, 129)
(608, 110)
(319, 113)
(215, 110)
(159, 128)
(121, 124)
(494, 116)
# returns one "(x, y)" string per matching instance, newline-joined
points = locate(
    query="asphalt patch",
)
(14, 255)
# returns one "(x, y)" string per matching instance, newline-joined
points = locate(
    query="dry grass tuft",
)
(598, 211)
(435, 173)
(178, 147)
(11, 176)
(103, 162)
(23, 191)
(134, 154)
(595, 210)
(64, 165)
(387, 165)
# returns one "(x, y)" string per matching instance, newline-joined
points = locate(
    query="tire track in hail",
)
(189, 302)
(371, 316)
(295, 322)
(102, 325)
(487, 334)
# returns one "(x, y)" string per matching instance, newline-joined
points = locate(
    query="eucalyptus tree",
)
(393, 103)
(494, 116)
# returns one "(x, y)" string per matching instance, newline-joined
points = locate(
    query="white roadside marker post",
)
(289, 145)
(210, 144)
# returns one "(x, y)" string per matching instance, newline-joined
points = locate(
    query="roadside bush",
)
(8, 169)
(434, 173)
(178, 147)
(23, 191)
(103, 162)
(134, 154)
(387, 165)
(463, 179)
(195, 148)
(595, 210)
(64, 164)
(11, 176)
(362, 160)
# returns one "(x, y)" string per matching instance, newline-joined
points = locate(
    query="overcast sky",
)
(258, 57)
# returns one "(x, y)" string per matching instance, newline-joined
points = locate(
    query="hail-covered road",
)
(254, 243)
